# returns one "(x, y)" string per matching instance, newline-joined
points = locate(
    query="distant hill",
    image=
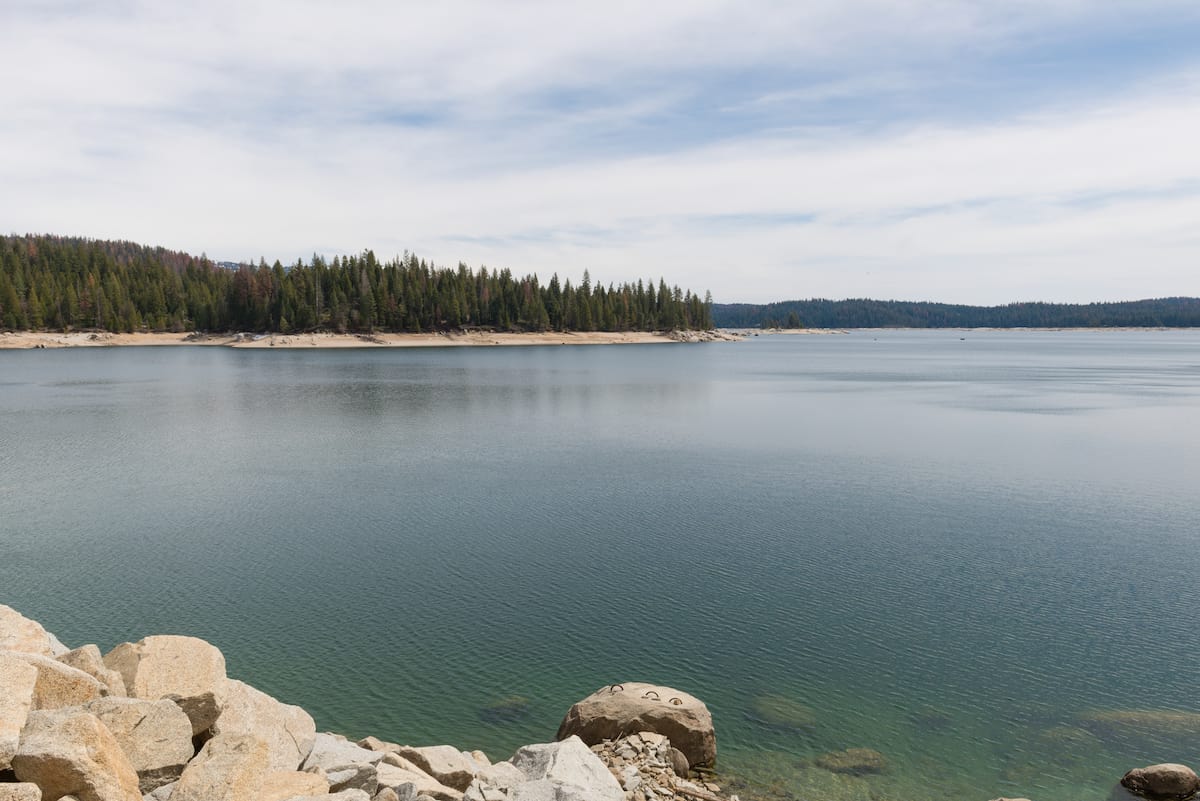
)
(863, 313)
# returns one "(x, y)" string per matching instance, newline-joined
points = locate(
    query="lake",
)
(975, 552)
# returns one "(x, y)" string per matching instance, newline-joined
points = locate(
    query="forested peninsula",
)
(70, 283)
(863, 313)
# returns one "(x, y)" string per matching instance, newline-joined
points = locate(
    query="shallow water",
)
(962, 549)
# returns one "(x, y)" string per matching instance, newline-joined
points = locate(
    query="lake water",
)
(971, 551)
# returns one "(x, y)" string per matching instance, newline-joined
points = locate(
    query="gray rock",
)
(356, 776)
(1168, 780)
(443, 762)
(679, 763)
(331, 752)
(156, 736)
(161, 794)
(612, 712)
(569, 769)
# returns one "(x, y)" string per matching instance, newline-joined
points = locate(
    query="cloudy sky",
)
(977, 151)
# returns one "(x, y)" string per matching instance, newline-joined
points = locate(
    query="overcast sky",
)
(976, 151)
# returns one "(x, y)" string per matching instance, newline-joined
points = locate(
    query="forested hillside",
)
(62, 283)
(1172, 312)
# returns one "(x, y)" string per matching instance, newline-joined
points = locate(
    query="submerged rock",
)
(620, 709)
(1165, 781)
(855, 761)
(506, 710)
(782, 712)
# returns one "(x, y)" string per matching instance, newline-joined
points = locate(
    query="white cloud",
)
(248, 129)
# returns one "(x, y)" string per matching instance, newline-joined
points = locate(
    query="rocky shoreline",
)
(159, 720)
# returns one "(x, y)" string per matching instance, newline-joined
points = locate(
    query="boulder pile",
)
(159, 720)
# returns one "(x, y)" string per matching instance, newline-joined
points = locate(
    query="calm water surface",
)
(963, 549)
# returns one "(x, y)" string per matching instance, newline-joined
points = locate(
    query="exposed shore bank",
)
(471, 338)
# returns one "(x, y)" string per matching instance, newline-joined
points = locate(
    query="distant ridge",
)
(1180, 312)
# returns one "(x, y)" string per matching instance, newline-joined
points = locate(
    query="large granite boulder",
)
(189, 671)
(20, 791)
(410, 781)
(288, 730)
(281, 784)
(17, 680)
(1164, 781)
(443, 762)
(58, 685)
(19, 633)
(155, 735)
(342, 795)
(620, 709)
(567, 769)
(332, 752)
(231, 767)
(70, 752)
(88, 659)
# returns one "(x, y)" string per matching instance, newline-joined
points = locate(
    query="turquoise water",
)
(975, 552)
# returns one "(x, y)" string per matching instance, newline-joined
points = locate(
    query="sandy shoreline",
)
(83, 339)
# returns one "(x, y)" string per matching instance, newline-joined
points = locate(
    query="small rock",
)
(679, 764)
(331, 753)
(59, 686)
(1167, 780)
(443, 762)
(88, 659)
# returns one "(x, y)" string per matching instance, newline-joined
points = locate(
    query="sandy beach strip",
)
(83, 339)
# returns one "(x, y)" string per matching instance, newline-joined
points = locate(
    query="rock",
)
(1162, 781)
(87, 658)
(162, 793)
(58, 685)
(386, 794)
(156, 736)
(375, 744)
(502, 775)
(288, 730)
(344, 795)
(569, 769)
(187, 670)
(612, 712)
(408, 783)
(782, 712)
(19, 633)
(22, 791)
(855, 761)
(331, 752)
(17, 680)
(230, 767)
(443, 762)
(70, 752)
(1110, 723)
(355, 776)
(679, 763)
(281, 784)
(506, 710)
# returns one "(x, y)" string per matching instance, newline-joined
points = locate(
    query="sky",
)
(965, 151)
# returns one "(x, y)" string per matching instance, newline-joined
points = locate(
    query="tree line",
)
(863, 313)
(66, 283)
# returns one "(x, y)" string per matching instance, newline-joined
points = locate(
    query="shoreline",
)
(24, 340)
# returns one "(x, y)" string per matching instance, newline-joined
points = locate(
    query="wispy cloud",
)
(972, 151)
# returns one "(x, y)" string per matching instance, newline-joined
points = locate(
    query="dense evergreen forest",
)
(1171, 312)
(63, 283)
